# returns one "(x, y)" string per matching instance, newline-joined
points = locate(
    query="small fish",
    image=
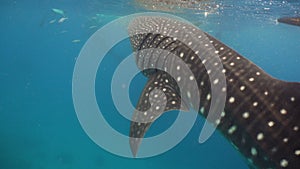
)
(290, 20)
(75, 41)
(100, 15)
(58, 11)
(63, 19)
(261, 117)
(91, 27)
(52, 21)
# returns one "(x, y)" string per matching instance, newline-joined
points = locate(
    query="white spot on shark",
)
(283, 111)
(292, 99)
(253, 151)
(232, 129)
(246, 115)
(251, 79)
(208, 96)
(297, 152)
(231, 100)
(271, 123)
(284, 163)
(255, 104)
(260, 136)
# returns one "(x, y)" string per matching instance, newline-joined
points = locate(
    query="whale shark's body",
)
(261, 115)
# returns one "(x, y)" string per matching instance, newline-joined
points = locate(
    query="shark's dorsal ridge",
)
(261, 115)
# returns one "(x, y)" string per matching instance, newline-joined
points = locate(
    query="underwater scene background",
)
(39, 46)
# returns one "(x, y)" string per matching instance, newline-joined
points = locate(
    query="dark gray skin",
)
(261, 116)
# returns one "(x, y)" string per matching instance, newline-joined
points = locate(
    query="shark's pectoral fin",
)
(160, 94)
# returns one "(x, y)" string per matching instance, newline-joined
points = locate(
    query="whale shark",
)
(290, 20)
(261, 116)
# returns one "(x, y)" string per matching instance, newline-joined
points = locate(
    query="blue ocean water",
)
(38, 124)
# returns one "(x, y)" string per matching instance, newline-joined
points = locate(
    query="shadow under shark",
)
(261, 117)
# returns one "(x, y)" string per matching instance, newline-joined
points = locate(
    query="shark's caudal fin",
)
(290, 20)
(261, 115)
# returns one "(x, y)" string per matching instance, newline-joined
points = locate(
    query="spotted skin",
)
(261, 117)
